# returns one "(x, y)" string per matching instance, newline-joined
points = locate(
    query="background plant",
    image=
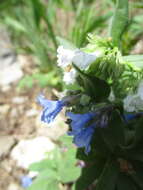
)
(35, 25)
(60, 167)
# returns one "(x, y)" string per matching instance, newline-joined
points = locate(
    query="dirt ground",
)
(20, 120)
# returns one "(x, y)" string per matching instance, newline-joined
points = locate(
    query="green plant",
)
(60, 167)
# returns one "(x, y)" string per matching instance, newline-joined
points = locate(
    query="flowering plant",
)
(104, 104)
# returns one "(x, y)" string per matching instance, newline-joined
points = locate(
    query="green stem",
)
(73, 5)
(119, 21)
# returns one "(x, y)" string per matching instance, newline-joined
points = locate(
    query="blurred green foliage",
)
(35, 24)
(60, 167)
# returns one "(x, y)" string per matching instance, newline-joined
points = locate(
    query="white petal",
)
(69, 77)
(83, 60)
(140, 90)
(64, 56)
(133, 103)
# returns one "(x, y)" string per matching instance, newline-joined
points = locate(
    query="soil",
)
(20, 119)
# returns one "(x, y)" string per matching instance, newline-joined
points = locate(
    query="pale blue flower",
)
(51, 108)
(26, 181)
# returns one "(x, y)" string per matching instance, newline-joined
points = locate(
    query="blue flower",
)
(51, 108)
(83, 139)
(131, 116)
(26, 181)
(81, 131)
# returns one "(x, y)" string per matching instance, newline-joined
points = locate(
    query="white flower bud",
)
(140, 90)
(133, 103)
(69, 77)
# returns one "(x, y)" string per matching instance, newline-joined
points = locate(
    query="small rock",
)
(6, 165)
(14, 113)
(6, 143)
(10, 74)
(19, 100)
(14, 186)
(4, 109)
(32, 113)
(5, 42)
(5, 88)
(30, 151)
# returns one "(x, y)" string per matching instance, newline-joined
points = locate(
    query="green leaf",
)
(67, 167)
(119, 21)
(137, 181)
(46, 180)
(125, 183)
(15, 24)
(42, 165)
(65, 43)
(69, 172)
(109, 176)
(136, 175)
(139, 131)
(135, 60)
(134, 150)
(67, 141)
(138, 134)
(113, 135)
(45, 184)
(92, 86)
(89, 174)
(37, 11)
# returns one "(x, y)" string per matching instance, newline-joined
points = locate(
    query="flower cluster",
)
(82, 125)
(51, 108)
(82, 59)
(82, 133)
(95, 101)
(134, 102)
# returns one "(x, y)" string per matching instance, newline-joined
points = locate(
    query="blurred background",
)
(30, 32)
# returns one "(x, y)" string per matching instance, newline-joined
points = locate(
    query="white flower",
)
(83, 60)
(133, 103)
(69, 77)
(140, 90)
(65, 56)
(78, 57)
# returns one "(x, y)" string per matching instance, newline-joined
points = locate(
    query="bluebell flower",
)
(51, 108)
(131, 116)
(26, 181)
(83, 139)
(81, 131)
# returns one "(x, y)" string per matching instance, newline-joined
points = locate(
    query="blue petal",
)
(81, 132)
(83, 139)
(51, 108)
(26, 181)
(129, 116)
(79, 121)
(43, 101)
